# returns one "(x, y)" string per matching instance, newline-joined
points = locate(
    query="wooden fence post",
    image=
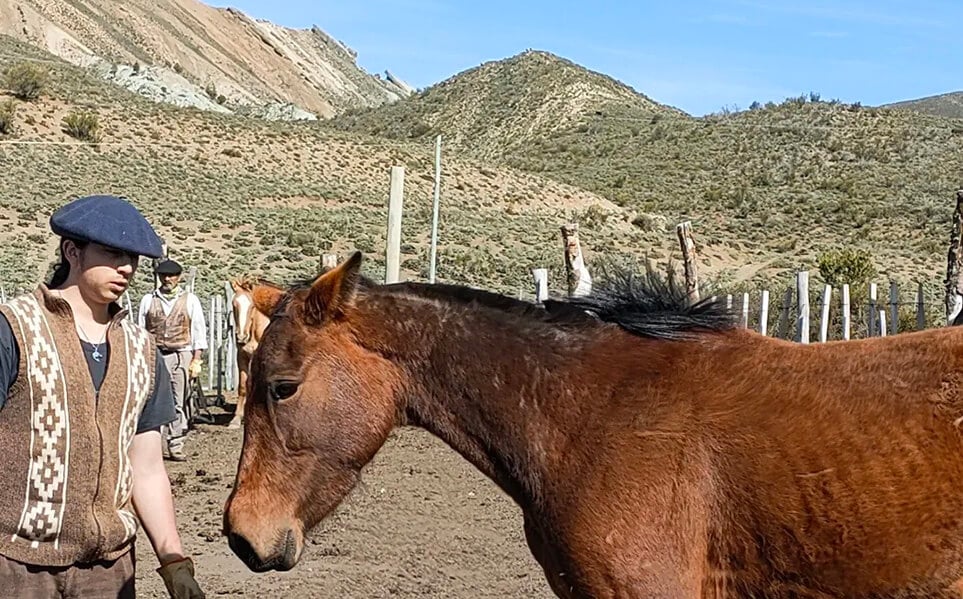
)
(764, 313)
(802, 298)
(328, 261)
(211, 334)
(395, 207)
(872, 312)
(846, 313)
(433, 253)
(541, 284)
(684, 232)
(920, 307)
(745, 310)
(577, 275)
(893, 307)
(782, 328)
(954, 289)
(824, 314)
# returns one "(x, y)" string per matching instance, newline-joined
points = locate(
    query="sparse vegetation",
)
(26, 80)
(8, 111)
(83, 125)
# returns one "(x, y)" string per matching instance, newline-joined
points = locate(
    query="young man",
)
(175, 318)
(83, 398)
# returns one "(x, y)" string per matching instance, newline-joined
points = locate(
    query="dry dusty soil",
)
(423, 523)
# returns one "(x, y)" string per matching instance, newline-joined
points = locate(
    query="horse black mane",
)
(646, 304)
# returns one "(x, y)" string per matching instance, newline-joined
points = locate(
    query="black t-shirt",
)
(158, 409)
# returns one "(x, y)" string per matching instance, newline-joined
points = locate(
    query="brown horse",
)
(249, 325)
(656, 448)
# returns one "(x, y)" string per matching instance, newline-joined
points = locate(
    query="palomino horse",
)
(656, 448)
(249, 325)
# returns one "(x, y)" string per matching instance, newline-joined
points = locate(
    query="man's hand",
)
(194, 369)
(178, 577)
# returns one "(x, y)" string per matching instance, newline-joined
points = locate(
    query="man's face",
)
(168, 282)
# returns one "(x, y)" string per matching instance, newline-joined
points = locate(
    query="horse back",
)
(836, 465)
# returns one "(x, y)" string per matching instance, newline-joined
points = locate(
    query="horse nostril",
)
(243, 550)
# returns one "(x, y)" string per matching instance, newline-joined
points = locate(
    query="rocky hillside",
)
(948, 105)
(190, 54)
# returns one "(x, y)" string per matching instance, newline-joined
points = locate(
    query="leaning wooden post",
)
(802, 298)
(764, 313)
(893, 307)
(577, 275)
(684, 232)
(395, 204)
(920, 307)
(845, 309)
(541, 284)
(824, 314)
(433, 253)
(328, 261)
(954, 286)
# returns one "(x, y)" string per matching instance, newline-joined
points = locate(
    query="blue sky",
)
(697, 55)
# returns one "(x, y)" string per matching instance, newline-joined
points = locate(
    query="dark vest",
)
(65, 477)
(171, 331)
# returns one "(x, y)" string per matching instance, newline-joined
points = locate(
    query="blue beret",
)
(108, 220)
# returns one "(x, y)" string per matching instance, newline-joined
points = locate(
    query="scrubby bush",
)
(84, 126)
(26, 80)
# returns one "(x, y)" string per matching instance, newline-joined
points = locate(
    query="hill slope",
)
(194, 47)
(502, 106)
(778, 184)
(947, 105)
(232, 194)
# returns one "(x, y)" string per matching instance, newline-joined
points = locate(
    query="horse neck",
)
(502, 392)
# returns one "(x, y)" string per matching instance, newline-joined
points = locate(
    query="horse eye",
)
(281, 390)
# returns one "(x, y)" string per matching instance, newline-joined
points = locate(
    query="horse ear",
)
(332, 292)
(266, 298)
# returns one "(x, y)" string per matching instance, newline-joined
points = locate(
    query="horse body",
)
(710, 463)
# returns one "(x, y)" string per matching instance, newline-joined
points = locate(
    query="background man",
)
(174, 316)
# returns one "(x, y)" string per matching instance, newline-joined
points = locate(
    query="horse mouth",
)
(284, 558)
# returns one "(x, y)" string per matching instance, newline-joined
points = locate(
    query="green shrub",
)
(84, 126)
(26, 80)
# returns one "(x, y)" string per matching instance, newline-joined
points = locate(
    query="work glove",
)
(178, 577)
(194, 369)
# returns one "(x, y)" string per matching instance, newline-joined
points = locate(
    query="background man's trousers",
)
(175, 433)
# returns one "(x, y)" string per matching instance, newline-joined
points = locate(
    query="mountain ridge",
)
(191, 54)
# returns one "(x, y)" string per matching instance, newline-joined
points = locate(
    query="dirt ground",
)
(423, 523)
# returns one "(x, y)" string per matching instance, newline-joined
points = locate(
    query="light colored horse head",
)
(249, 325)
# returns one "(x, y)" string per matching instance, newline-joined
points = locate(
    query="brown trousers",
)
(98, 580)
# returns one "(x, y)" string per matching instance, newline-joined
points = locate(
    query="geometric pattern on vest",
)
(138, 387)
(42, 517)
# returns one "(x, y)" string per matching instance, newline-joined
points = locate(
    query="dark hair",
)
(62, 267)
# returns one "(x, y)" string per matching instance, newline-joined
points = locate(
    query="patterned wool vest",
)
(171, 331)
(66, 480)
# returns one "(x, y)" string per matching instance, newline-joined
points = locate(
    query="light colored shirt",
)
(194, 311)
